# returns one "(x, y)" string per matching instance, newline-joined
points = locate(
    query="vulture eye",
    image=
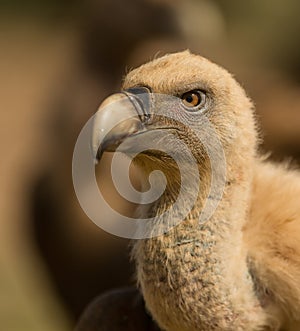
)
(193, 100)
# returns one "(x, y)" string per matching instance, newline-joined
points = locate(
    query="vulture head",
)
(184, 107)
(179, 100)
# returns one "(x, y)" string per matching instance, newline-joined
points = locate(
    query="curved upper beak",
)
(120, 116)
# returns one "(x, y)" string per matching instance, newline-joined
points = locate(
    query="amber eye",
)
(193, 99)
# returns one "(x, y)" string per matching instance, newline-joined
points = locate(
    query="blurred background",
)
(58, 60)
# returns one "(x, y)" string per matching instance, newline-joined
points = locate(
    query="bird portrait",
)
(222, 250)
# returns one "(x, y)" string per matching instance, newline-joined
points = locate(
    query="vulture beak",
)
(119, 117)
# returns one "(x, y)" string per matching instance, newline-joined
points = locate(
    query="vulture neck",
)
(196, 277)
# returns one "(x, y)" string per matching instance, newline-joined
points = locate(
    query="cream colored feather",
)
(241, 270)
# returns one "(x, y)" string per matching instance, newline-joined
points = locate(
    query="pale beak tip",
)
(95, 151)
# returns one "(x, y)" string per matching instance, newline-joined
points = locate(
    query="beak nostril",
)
(140, 97)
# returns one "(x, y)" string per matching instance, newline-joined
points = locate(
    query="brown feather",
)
(241, 271)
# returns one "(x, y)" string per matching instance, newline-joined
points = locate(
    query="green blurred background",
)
(58, 60)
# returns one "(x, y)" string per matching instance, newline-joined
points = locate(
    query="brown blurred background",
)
(58, 60)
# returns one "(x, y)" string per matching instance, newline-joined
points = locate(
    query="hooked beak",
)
(120, 116)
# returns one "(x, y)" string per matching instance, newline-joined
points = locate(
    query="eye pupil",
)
(189, 98)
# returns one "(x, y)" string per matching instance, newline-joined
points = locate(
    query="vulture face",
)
(169, 98)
